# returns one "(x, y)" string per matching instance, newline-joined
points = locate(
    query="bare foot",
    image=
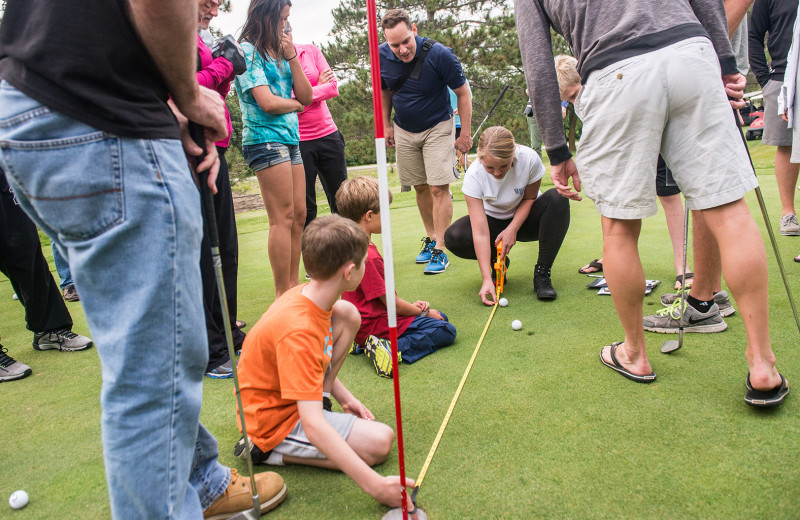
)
(636, 363)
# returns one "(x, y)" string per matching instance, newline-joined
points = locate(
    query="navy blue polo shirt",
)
(424, 102)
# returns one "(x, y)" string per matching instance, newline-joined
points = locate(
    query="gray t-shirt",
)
(739, 44)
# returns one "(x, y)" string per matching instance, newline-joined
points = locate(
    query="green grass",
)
(542, 429)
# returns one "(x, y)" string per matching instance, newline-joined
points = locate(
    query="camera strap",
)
(415, 67)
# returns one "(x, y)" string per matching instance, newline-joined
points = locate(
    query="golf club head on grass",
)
(670, 346)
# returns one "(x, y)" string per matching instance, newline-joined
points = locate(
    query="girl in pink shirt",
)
(321, 143)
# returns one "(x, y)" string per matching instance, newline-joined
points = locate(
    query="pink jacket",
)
(316, 120)
(216, 74)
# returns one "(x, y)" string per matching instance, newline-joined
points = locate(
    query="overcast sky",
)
(311, 19)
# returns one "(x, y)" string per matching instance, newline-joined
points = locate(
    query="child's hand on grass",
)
(354, 407)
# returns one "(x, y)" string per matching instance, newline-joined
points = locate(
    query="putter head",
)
(670, 346)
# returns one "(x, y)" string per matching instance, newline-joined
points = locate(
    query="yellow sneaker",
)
(238, 498)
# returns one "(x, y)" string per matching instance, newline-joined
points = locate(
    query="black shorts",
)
(665, 184)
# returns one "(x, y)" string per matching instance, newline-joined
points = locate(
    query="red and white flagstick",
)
(386, 232)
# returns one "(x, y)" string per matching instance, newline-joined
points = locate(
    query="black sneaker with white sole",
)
(63, 340)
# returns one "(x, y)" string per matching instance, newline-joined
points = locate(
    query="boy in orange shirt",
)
(289, 366)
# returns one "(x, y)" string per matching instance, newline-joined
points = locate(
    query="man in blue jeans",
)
(92, 151)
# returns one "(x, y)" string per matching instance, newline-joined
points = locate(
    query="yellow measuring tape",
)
(500, 269)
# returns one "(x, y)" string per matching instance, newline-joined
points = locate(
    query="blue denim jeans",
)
(127, 214)
(62, 267)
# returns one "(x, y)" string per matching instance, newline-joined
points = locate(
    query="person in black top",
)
(94, 154)
(775, 20)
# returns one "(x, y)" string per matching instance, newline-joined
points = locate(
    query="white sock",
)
(275, 459)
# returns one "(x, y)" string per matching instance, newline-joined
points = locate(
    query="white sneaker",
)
(789, 225)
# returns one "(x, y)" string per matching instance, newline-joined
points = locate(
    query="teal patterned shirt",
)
(259, 126)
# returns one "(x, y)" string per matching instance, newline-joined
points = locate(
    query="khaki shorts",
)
(669, 101)
(776, 130)
(426, 157)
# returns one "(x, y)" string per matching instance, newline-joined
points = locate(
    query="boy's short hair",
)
(567, 73)
(357, 196)
(329, 243)
(394, 17)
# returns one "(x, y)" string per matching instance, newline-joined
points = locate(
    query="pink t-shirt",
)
(216, 74)
(315, 120)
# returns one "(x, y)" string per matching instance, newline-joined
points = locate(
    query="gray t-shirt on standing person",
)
(603, 32)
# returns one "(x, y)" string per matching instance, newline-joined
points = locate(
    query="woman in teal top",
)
(270, 138)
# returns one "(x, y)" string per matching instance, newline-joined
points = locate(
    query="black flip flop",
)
(797, 258)
(766, 399)
(616, 366)
(598, 266)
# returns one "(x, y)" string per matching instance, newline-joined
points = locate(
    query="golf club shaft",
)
(209, 216)
(683, 276)
(496, 102)
(767, 225)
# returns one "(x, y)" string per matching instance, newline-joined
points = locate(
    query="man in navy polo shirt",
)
(423, 132)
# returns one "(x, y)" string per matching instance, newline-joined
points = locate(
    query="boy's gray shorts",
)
(296, 444)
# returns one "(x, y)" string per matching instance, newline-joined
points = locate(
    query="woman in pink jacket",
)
(321, 143)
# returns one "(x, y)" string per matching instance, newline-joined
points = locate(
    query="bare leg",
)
(299, 203)
(425, 207)
(707, 263)
(442, 212)
(786, 175)
(744, 262)
(345, 320)
(673, 211)
(277, 190)
(625, 277)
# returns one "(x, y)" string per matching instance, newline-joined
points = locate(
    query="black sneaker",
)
(11, 369)
(63, 340)
(258, 456)
(542, 284)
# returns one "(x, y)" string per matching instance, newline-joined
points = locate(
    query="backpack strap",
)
(413, 71)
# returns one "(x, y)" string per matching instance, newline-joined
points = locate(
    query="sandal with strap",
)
(595, 266)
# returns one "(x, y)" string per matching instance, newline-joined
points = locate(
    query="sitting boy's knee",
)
(382, 445)
(346, 313)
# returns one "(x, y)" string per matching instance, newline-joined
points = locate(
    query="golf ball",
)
(503, 302)
(516, 324)
(18, 499)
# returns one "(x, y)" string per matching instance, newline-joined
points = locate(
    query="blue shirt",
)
(454, 104)
(424, 102)
(259, 126)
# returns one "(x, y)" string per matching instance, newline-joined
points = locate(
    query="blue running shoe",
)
(224, 371)
(424, 256)
(438, 263)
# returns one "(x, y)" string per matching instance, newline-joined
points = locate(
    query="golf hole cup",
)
(18, 499)
(516, 324)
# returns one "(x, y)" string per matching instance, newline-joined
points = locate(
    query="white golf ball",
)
(18, 499)
(516, 324)
(503, 302)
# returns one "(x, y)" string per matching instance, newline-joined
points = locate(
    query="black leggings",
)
(323, 157)
(547, 222)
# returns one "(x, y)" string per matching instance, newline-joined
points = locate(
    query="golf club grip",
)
(198, 136)
(497, 101)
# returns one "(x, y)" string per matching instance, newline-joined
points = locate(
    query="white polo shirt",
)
(502, 196)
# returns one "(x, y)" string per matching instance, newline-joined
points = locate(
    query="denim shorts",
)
(264, 155)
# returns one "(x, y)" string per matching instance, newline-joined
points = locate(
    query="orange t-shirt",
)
(284, 359)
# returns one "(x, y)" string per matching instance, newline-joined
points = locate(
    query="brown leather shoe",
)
(70, 294)
(238, 498)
